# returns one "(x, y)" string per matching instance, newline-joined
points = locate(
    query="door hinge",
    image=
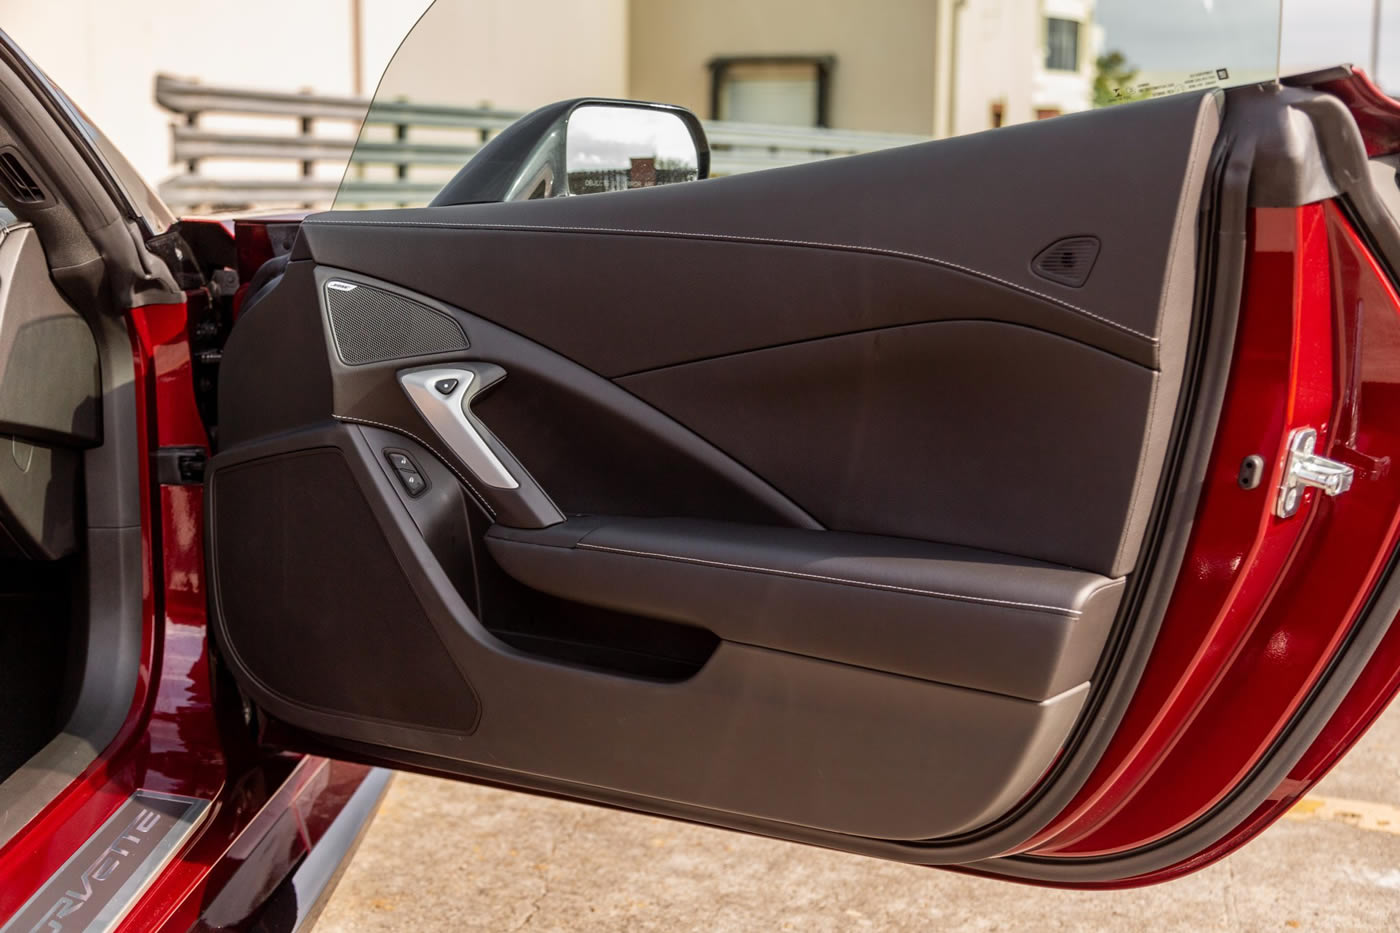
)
(1305, 468)
(180, 466)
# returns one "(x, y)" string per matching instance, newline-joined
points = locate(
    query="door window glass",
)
(783, 82)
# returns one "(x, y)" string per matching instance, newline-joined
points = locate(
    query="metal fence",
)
(404, 146)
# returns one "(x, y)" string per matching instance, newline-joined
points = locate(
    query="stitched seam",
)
(867, 584)
(480, 499)
(739, 238)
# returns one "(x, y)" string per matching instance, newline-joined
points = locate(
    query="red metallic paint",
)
(173, 739)
(34, 853)
(1237, 549)
(253, 242)
(1377, 114)
(1152, 784)
(1361, 283)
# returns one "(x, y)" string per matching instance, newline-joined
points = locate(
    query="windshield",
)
(779, 82)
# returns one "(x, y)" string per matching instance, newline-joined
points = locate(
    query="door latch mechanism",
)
(1306, 468)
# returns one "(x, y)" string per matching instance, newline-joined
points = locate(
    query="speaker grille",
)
(371, 325)
(315, 602)
(1068, 261)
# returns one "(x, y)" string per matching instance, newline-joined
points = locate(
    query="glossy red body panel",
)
(1362, 284)
(1377, 114)
(254, 244)
(173, 739)
(34, 853)
(1151, 785)
(1237, 549)
(1281, 379)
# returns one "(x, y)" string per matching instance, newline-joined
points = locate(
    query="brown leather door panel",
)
(850, 483)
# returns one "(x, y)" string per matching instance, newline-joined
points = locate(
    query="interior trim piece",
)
(846, 581)
(447, 413)
(846, 726)
(476, 495)
(936, 612)
(609, 434)
(1141, 285)
(740, 238)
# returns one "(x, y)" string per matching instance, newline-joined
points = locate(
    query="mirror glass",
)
(614, 148)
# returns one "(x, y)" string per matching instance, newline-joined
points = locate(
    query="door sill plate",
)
(100, 883)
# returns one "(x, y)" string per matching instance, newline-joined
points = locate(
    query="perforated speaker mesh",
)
(315, 602)
(371, 325)
(1068, 261)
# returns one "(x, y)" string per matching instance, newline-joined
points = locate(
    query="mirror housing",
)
(583, 146)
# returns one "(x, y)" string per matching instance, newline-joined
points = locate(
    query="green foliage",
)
(1113, 80)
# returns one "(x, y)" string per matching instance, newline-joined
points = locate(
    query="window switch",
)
(412, 481)
(409, 475)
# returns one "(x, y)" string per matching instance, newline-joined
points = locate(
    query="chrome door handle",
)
(449, 414)
(443, 397)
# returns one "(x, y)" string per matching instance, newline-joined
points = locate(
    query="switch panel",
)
(410, 477)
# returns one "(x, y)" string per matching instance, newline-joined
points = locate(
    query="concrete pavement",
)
(447, 856)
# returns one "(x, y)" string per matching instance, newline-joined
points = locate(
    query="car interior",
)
(826, 502)
(70, 505)
(807, 501)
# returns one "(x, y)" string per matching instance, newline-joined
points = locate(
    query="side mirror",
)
(584, 146)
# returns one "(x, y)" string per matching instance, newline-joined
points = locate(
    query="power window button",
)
(410, 477)
(412, 482)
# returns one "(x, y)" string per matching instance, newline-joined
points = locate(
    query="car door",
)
(1019, 500)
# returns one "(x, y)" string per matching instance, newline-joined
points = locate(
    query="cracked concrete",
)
(446, 856)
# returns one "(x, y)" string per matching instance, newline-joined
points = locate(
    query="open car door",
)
(978, 502)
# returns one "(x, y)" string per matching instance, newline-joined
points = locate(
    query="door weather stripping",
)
(443, 397)
(1306, 468)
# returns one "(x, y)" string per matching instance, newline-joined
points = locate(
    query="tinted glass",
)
(834, 77)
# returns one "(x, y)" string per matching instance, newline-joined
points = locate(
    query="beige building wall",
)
(106, 53)
(1000, 61)
(885, 50)
(897, 66)
(998, 43)
(512, 55)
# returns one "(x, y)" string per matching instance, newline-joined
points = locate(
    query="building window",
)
(788, 89)
(1061, 44)
(1045, 113)
(998, 114)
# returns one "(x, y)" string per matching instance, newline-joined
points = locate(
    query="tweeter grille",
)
(1068, 261)
(371, 325)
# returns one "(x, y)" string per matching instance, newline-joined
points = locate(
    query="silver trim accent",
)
(185, 814)
(1306, 468)
(449, 418)
(341, 286)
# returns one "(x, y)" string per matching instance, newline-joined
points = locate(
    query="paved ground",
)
(445, 856)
